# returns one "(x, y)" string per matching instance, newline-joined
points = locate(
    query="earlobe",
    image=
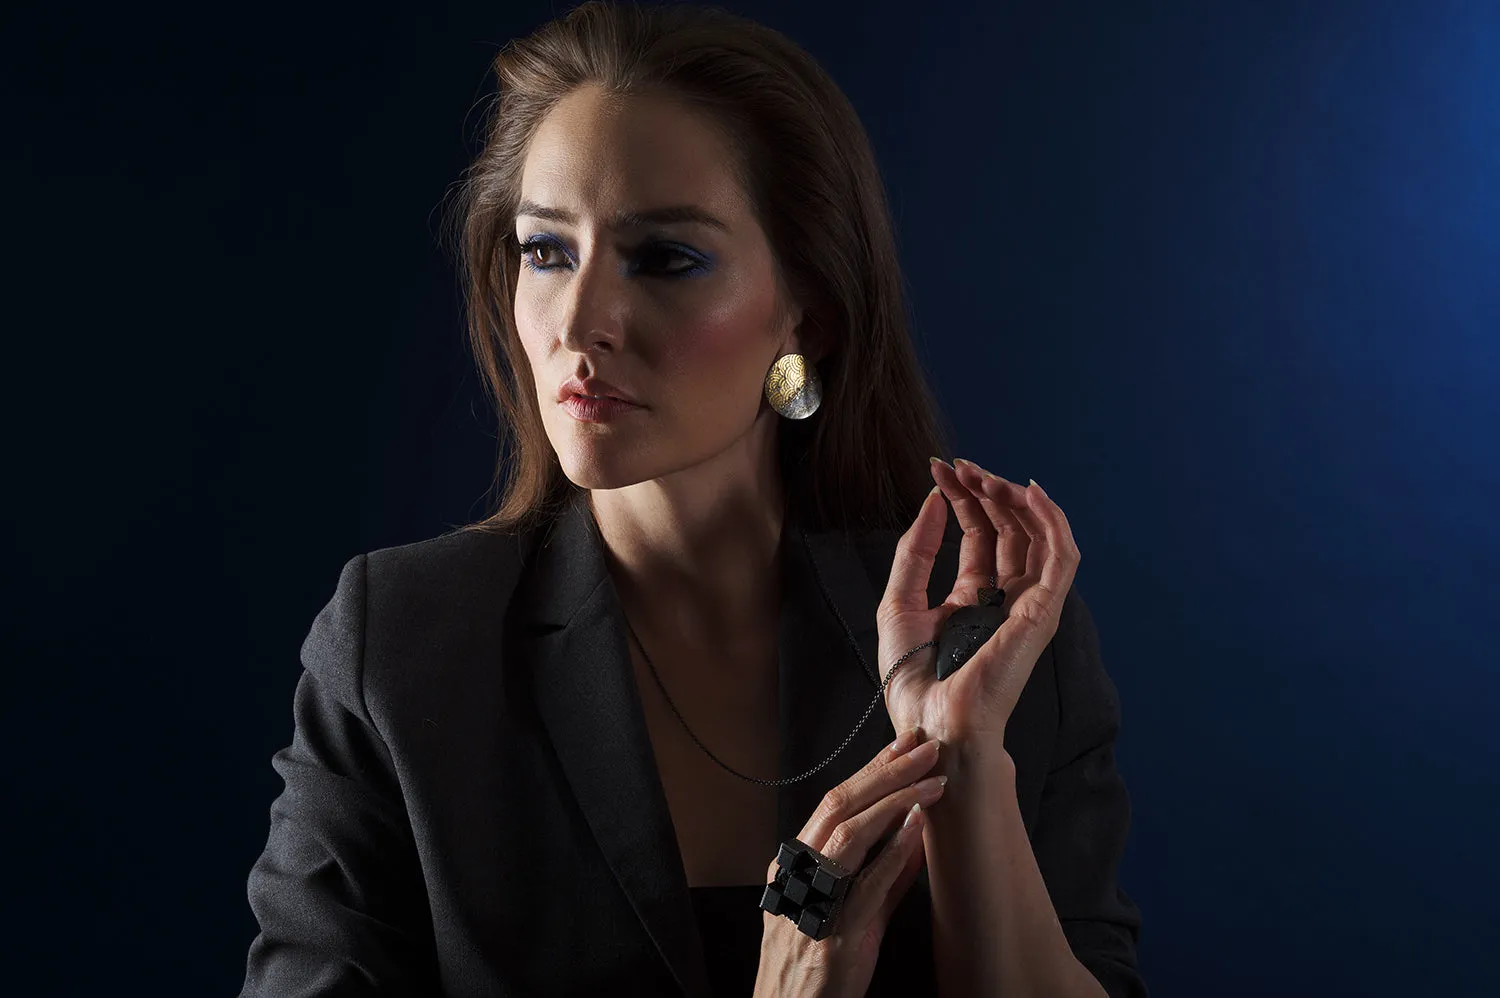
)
(810, 338)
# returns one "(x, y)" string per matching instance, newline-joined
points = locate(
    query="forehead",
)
(599, 155)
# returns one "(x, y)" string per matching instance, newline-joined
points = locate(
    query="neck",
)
(695, 553)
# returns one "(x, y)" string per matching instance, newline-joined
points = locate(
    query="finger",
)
(976, 552)
(915, 860)
(996, 496)
(880, 772)
(911, 568)
(903, 744)
(1014, 543)
(1060, 531)
(852, 839)
(1029, 550)
(1003, 490)
(874, 893)
(1041, 603)
(862, 790)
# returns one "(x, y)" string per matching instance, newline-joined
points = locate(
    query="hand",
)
(1012, 532)
(852, 818)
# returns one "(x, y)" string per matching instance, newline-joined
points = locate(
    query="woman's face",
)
(678, 314)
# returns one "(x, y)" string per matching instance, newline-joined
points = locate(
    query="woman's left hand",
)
(1012, 532)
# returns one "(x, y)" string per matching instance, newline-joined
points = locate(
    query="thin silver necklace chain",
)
(879, 696)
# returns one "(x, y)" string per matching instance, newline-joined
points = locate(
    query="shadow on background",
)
(1221, 276)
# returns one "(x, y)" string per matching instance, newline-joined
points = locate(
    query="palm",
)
(1015, 539)
(916, 697)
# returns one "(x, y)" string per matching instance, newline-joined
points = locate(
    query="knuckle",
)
(835, 802)
(841, 837)
(1030, 616)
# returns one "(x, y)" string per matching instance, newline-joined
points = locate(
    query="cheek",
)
(531, 329)
(721, 351)
(697, 350)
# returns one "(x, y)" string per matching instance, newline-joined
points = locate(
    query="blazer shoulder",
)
(437, 565)
(421, 592)
(403, 603)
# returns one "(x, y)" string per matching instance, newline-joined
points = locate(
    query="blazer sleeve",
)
(338, 891)
(1084, 814)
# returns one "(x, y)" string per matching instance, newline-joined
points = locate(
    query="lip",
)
(593, 386)
(601, 410)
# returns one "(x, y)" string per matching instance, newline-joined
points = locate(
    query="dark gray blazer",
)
(472, 805)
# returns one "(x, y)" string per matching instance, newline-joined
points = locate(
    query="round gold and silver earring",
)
(793, 387)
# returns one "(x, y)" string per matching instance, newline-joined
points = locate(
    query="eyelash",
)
(663, 248)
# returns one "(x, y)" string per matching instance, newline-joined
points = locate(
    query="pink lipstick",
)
(596, 410)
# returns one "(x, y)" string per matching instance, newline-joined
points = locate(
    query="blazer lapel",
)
(826, 687)
(588, 701)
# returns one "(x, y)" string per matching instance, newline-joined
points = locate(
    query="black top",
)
(731, 924)
(472, 806)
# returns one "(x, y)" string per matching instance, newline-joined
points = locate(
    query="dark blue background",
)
(1223, 277)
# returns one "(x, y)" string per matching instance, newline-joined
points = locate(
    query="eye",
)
(661, 259)
(533, 245)
(664, 253)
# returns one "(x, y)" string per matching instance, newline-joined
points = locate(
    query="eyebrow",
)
(628, 219)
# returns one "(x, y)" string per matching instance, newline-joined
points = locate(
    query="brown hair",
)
(807, 167)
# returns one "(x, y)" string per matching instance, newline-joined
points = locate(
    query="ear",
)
(810, 337)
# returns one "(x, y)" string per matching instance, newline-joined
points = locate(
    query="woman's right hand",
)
(852, 818)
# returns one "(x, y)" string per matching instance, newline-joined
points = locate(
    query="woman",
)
(554, 752)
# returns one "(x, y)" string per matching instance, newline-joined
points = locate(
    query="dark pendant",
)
(967, 629)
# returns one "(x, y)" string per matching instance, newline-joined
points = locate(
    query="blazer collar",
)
(570, 616)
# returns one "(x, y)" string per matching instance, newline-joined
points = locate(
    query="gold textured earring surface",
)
(793, 387)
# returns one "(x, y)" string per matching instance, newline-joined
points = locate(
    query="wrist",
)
(979, 764)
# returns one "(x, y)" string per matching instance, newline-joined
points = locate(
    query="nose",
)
(597, 305)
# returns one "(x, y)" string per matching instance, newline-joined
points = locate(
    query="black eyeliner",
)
(703, 262)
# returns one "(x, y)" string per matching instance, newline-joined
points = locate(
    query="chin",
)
(615, 461)
(599, 465)
(617, 464)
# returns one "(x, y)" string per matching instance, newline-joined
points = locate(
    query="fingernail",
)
(935, 490)
(931, 787)
(1039, 487)
(971, 464)
(938, 460)
(912, 814)
(926, 752)
(904, 739)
